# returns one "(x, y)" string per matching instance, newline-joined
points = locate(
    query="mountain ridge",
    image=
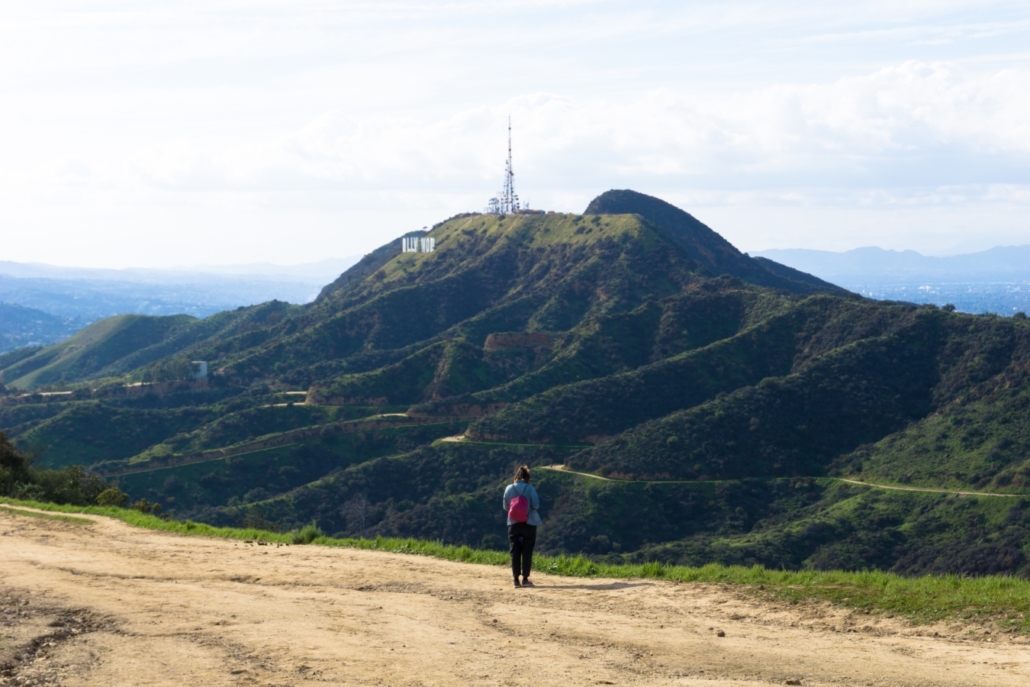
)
(616, 344)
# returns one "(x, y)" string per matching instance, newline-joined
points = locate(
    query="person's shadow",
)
(605, 586)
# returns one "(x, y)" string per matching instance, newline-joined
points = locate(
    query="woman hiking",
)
(522, 504)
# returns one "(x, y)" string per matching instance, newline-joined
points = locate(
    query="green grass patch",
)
(1000, 600)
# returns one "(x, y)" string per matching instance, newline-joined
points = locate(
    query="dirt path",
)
(929, 490)
(104, 604)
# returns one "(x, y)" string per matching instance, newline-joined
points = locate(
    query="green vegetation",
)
(728, 394)
(92, 431)
(1000, 600)
(446, 369)
(19, 479)
(93, 348)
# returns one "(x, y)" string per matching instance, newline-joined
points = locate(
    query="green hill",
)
(716, 405)
(92, 349)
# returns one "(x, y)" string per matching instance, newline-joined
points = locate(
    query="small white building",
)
(199, 369)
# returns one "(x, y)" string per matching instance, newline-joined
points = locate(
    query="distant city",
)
(991, 281)
(43, 304)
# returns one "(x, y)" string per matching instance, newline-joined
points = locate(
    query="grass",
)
(45, 516)
(1003, 601)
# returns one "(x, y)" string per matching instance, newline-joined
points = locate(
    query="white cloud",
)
(845, 134)
(186, 116)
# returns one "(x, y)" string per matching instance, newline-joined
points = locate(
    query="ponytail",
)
(522, 474)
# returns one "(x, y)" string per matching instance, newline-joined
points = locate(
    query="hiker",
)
(522, 504)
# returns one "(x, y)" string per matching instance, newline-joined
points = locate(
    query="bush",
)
(144, 506)
(70, 485)
(306, 534)
(112, 497)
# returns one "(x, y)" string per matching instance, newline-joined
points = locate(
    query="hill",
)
(715, 405)
(709, 250)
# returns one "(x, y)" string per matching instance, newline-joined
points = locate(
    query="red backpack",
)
(518, 508)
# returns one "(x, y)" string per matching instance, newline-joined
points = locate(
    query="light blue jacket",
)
(524, 489)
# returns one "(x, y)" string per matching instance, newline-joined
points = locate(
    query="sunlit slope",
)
(530, 273)
(547, 273)
(94, 348)
(123, 344)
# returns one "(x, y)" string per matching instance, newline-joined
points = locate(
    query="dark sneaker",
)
(516, 584)
(526, 582)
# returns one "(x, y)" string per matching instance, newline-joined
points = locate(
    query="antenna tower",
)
(507, 201)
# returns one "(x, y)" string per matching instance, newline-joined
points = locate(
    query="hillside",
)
(715, 404)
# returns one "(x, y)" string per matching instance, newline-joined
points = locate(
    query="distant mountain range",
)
(995, 280)
(318, 273)
(1003, 263)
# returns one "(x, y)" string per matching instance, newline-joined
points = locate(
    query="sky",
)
(160, 134)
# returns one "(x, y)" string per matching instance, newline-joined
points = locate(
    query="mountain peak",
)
(705, 246)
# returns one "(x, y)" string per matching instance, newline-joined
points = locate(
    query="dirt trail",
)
(888, 487)
(930, 490)
(102, 603)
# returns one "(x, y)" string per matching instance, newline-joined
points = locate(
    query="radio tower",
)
(507, 201)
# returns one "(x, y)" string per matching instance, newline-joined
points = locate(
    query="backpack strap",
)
(529, 504)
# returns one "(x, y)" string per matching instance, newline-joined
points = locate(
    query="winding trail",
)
(562, 468)
(927, 489)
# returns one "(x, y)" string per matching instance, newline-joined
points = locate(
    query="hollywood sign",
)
(414, 244)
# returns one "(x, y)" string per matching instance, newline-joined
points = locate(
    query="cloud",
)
(118, 111)
(890, 129)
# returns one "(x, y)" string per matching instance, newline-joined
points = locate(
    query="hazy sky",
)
(157, 134)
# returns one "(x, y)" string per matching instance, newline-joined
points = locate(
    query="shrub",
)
(112, 497)
(144, 506)
(306, 534)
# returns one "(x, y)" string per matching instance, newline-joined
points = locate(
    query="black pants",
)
(522, 538)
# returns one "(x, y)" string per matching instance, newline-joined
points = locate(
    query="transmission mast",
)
(507, 201)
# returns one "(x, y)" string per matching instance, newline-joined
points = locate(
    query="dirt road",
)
(885, 487)
(100, 603)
